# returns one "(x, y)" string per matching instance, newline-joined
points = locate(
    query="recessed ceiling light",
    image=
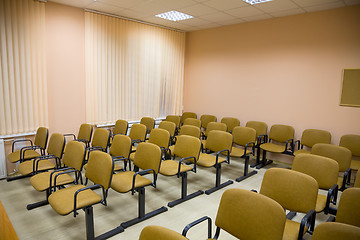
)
(252, 2)
(174, 16)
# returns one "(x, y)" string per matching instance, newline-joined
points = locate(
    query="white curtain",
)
(23, 105)
(132, 69)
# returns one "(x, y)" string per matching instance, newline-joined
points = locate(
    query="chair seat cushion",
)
(300, 151)
(208, 160)
(170, 168)
(41, 181)
(117, 167)
(271, 147)
(291, 231)
(25, 168)
(132, 156)
(355, 164)
(15, 156)
(238, 152)
(122, 182)
(320, 203)
(62, 201)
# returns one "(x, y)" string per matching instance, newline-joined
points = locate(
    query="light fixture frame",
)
(174, 16)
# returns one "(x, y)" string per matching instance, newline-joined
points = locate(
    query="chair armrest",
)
(183, 159)
(297, 142)
(227, 156)
(93, 187)
(27, 148)
(20, 140)
(196, 222)
(143, 172)
(41, 158)
(289, 145)
(70, 134)
(309, 221)
(247, 145)
(264, 138)
(60, 172)
(346, 179)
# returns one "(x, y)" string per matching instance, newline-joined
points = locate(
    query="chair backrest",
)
(160, 137)
(74, 155)
(121, 127)
(241, 212)
(340, 154)
(206, 118)
(101, 138)
(190, 130)
(243, 135)
(173, 118)
(281, 133)
(335, 231)
(148, 156)
(41, 137)
(351, 142)
(219, 140)
(348, 211)
(56, 145)
(230, 123)
(324, 170)
(85, 132)
(153, 232)
(295, 191)
(186, 115)
(260, 127)
(121, 146)
(100, 168)
(215, 126)
(138, 131)
(148, 122)
(312, 136)
(187, 146)
(193, 121)
(169, 126)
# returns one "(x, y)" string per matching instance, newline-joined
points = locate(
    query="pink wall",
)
(284, 70)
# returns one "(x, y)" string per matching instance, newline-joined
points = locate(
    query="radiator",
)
(3, 171)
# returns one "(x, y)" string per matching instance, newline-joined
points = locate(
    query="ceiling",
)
(207, 13)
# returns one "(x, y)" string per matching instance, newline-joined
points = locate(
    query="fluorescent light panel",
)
(174, 16)
(252, 2)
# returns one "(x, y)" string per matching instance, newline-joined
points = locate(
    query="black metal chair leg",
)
(217, 181)
(246, 170)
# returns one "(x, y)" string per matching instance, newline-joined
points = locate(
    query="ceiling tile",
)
(225, 4)
(308, 3)
(231, 22)
(175, 4)
(106, 8)
(276, 6)
(198, 10)
(244, 12)
(195, 22)
(218, 16)
(288, 12)
(325, 7)
(123, 3)
(257, 17)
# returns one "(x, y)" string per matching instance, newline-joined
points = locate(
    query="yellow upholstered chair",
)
(153, 232)
(205, 119)
(190, 130)
(68, 200)
(46, 181)
(336, 231)
(121, 127)
(309, 138)
(230, 122)
(137, 134)
(340, 154)
(261, 134)
(100, 142)
(187, 148)
(29, 152)
(325, 171)
(246, 215)
(173, 118)
(147, 158)
(212, 126)
(42, 163)
(243, 146)
(84, 135)
(193, 121)
(186, 115)
(120, 151)
(280, 140)
(218, 142)
(170, 127)
(296, 192)
(352, 142)
(148, 122)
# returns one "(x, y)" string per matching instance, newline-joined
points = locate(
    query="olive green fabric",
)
(148, 156)
(193, 121)
(173, 118)
(324, 170)
(295, 191)
(152, 232)
(352, 142)
(291, 231)
(312, 136)
(260, 127)
(56, 145)
(340, 154)
(99, 168)
(272, 147)
(230, 123)
(169, 126)
(25, 168)
(171, 168)
(186, 115)
(85, 132)
(205, 119)
(357, 180)
(208, 160)
(349, 207)
(122, 181)
(281, 133)
(138, 131)
(219, 140)
(121, 127)
(320, 203)
(190, 130)
(74, 155)
(336, 231)
(249, 215)
(148, 122)
(187, 146)
(301, 151)
(242, 136)
(215, 126)
(160, 137)
(15, 156)
(41, 137)
(120, 146)
(41, 181)
(101, 138)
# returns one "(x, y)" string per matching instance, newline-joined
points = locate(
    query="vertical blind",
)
(132, 69)
(23, 105)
